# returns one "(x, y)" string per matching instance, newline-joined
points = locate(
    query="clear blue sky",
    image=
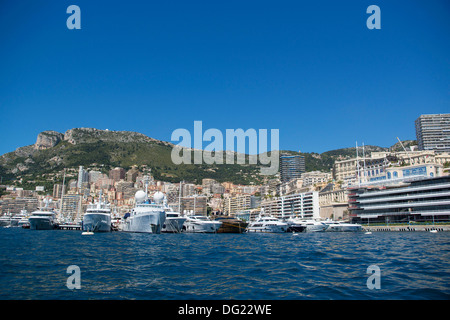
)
(311, 69)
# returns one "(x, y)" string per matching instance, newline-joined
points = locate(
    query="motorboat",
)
(309, 224)
(146, 216)
(267, 224)
(340, 226)
(5, 220)
(43, 218)
(20, 219)
(295, 227)
(200, 224)
(97, 217)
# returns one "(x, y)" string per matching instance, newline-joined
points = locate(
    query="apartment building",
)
(433, 132)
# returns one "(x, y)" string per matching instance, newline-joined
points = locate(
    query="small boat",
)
(231, 224)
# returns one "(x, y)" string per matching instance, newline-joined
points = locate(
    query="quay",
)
(409, 228)
(69, 227)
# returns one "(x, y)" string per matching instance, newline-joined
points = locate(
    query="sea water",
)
(34, 264)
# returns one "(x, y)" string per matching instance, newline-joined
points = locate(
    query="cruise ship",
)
(97, 217)
(146, 216)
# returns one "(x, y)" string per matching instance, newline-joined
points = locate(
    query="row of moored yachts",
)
(157, 217)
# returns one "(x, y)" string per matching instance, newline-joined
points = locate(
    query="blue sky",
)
(311, 69)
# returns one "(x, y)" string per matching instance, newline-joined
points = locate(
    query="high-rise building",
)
(433, 132)
(291, 167)
(117, 174)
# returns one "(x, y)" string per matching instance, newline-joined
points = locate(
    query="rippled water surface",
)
(119, 265)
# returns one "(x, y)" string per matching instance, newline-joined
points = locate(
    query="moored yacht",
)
(97, 217)
(200, 224)
(19, 219)
(145, 217)
(5, 220)
(309, 224)
(174, 221)
(231, 224)
(340, 226)
(43, 218)
(267, 224)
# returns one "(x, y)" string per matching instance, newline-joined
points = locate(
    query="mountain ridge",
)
(93, 148)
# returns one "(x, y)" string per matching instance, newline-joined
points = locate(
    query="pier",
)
(409, 228)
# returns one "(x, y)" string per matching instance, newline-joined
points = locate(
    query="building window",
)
(395, 174)
(389, 175)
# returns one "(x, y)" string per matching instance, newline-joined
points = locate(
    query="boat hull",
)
(97, 222)
(267, 229)
(41, 223)
(232, 226)
(150, 222)
(173, 225)
(344, 228)
(202, 227)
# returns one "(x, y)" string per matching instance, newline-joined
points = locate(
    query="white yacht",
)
(174, 221)
(200, 224)
(44, 218)
(310, 224)
(97, 217)
(267, 224)
(145, 216)
(19, 219)
(5, 220)
(341, 226)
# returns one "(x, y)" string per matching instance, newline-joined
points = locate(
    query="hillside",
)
(104, 150)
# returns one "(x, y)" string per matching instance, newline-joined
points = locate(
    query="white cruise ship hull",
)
(344, 228)
(97, 222)
(41, 223)
(268, 229)
(173, 225)
(149, 222)
(201, 227)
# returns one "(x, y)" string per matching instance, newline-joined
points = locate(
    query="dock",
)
(410, 228)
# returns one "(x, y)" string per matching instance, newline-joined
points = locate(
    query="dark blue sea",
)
(412, 265)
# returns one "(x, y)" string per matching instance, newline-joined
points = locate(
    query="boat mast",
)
(62, 195)
(357, 166)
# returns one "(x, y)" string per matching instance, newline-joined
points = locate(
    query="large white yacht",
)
(97, 217)
(200, 224)
(310, 224)
(20, 219)
(174, 221)
(267, 224)
(43, 218)
(341, 226)
(145, 216)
